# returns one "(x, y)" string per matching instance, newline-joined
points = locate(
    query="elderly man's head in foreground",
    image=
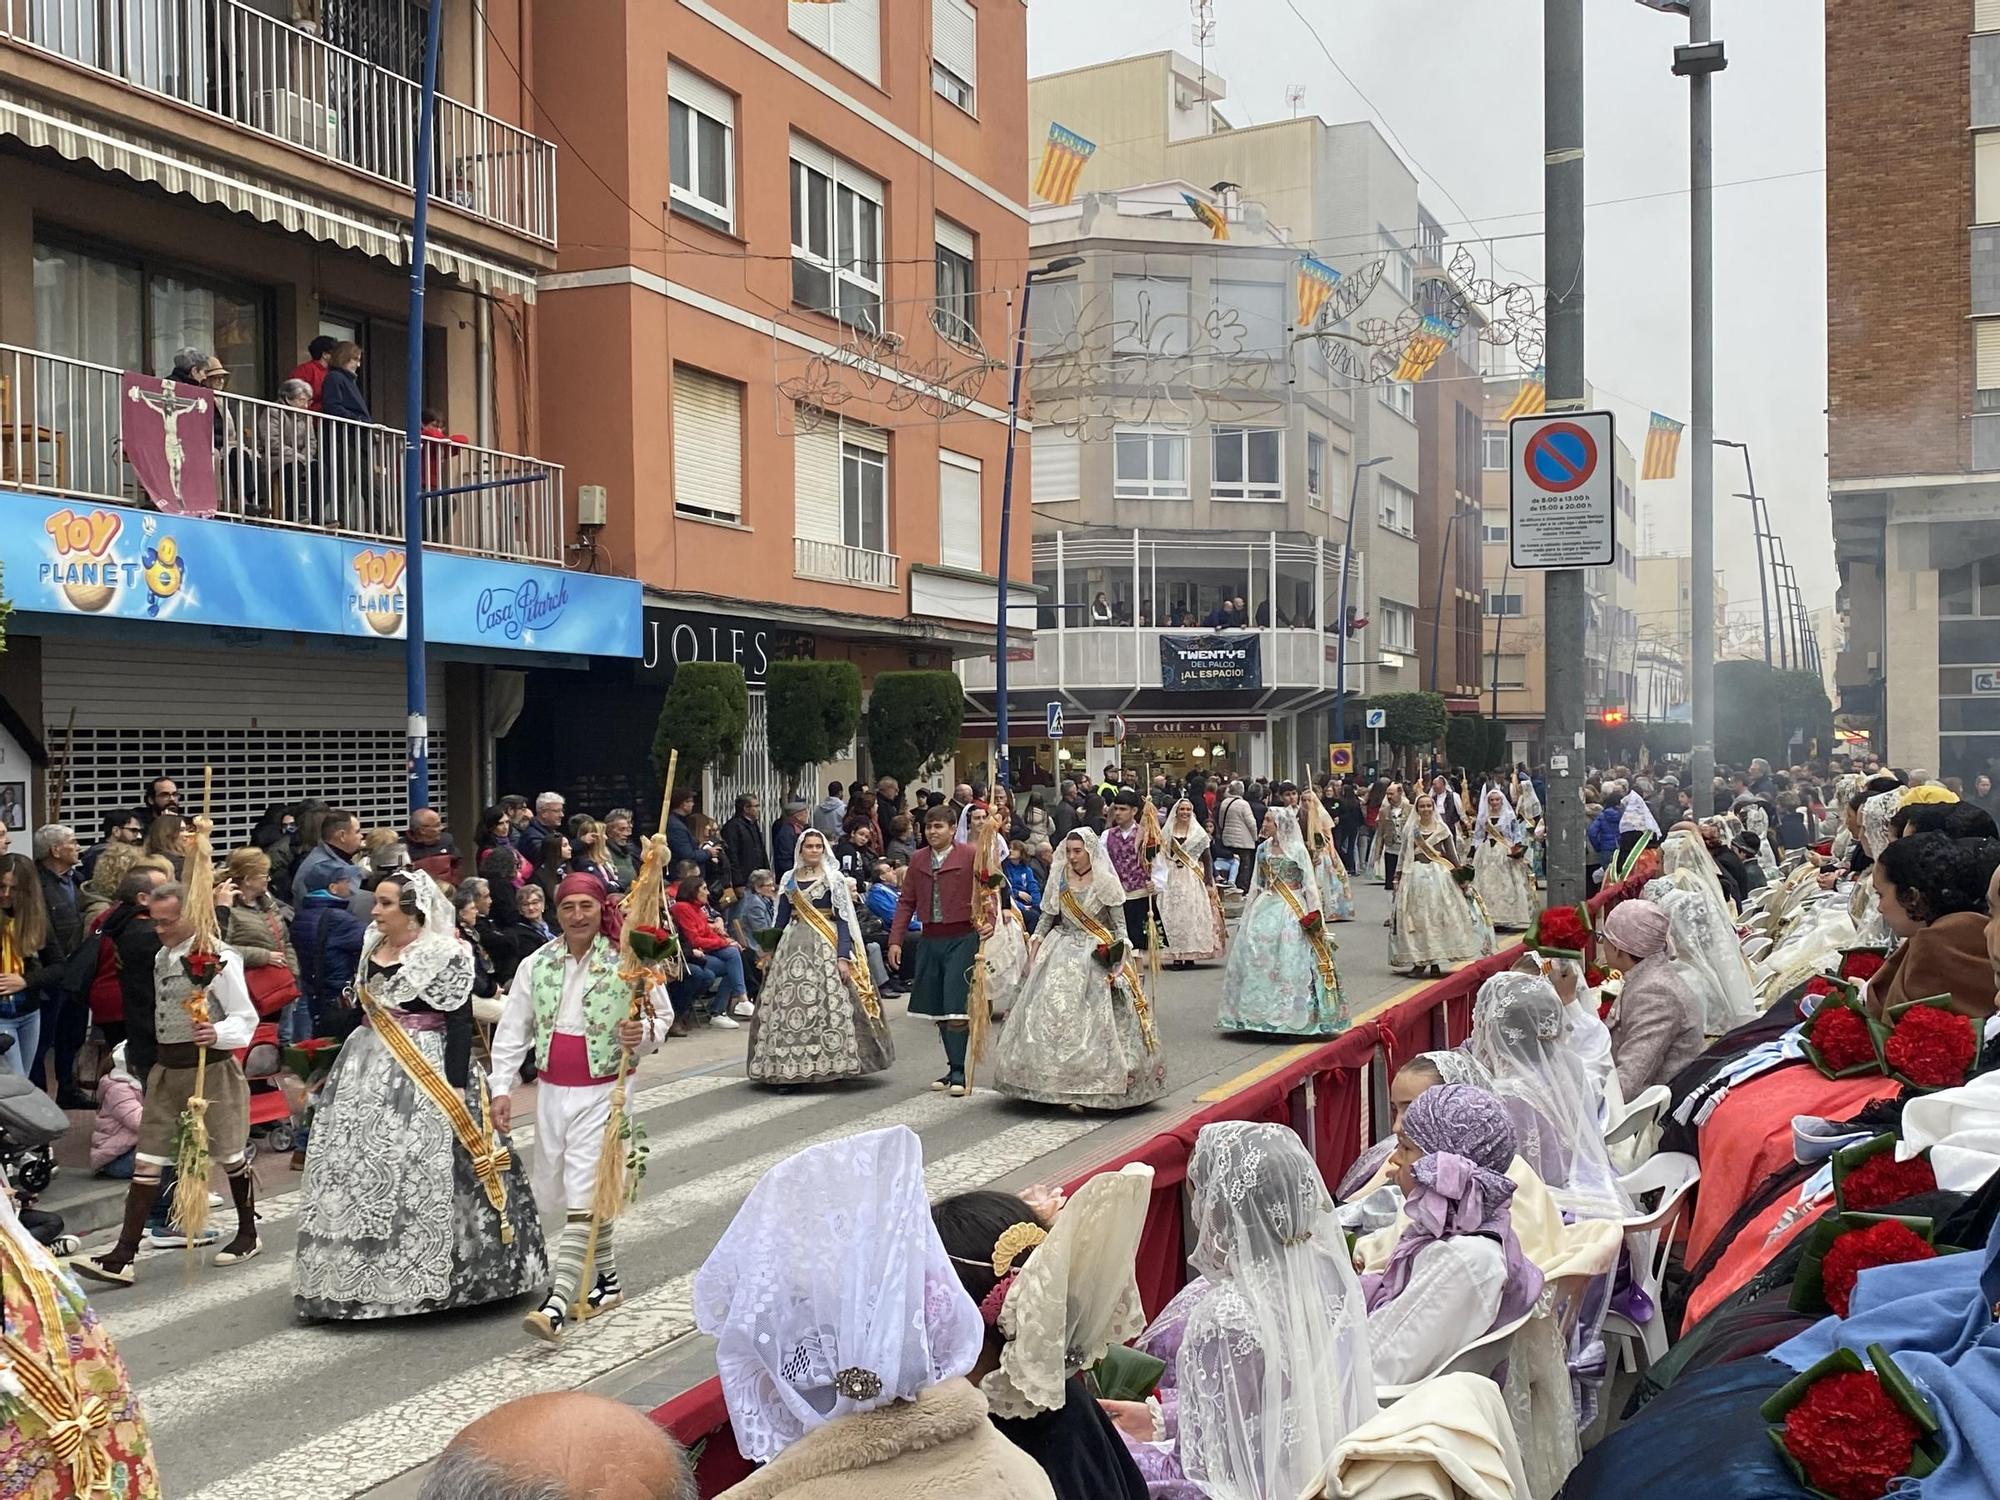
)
(563, 1445)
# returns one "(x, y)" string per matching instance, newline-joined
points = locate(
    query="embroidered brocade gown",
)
(1190, 917)
(811, 1025)
(1436, 922)
(1273, 982)
(1506, 884)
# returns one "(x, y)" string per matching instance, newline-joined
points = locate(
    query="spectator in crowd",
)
(519, 814)
(515, 928)
(288, 440)
(65, 1014)
(312, 373)
(888, 798)
(1238, 822)
(587, 841)
(114, 1135)
(621, 848)
(24, 942)
(880, 904)
(681, 841)
(828, 815)
(1025, 880)
(711, 951)
(900, 843)
(171, 837)
(465, 905)
(756, 911)
(337, 846)
(163, 795)
(743, 848)
(495, 828)
(551, 864)
(855, 855)
(548, 819)
(257, 926)
(123, 935)
(100, 891)
(125, 826)
(326, 939)
(431, 847)
(785, 834)
(561, 1445)
(383, 852)
(340, 388)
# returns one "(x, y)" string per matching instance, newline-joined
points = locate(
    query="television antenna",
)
(1295, 98)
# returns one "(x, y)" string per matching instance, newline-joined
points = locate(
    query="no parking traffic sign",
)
(1560, 491)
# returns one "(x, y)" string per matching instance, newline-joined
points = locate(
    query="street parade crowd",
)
(1673, 1218)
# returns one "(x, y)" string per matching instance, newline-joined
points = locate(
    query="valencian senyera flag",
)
(1663, 448)
(1316, 281)
(1208, 215)
(1423, 349)
(1062, 164)
(1532, 399)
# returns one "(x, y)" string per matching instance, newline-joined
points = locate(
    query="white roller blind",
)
(850, 31)
(954, 237)
(961, 526)
(816, 483)
(698, 93)
(1986, 176)
(1058, 467)
(811, 153)
(861, 436)
(1987, 346)
(1986, 15)
(708, 443)
(955, 38)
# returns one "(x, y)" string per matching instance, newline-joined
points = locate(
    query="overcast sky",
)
(1457, 83)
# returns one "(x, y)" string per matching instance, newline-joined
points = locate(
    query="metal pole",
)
(1565, 606)
(417, 730)
(1499, 621)
(1757, 533)
(1696, 62)
(1340, 610)
(1437, 610)
(1772, 550)
(1001, 766)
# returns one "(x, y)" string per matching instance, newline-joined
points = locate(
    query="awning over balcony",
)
(80, 139)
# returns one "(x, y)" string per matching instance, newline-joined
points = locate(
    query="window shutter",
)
(813, 22)
(1986, 15)
(816, 482)
(697, 92)
(857, 36)
(1987, 363)
(1986, 176)
(1058, 467)
(873, 438)
(955, 38)
(708, 443)
(954, 237)
(961, 524)
(810, 153)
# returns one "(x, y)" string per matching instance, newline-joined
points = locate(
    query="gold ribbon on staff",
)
(77, 1423)
(1322, 947)
(1075, 911)
(489, 1158)
(821, 923)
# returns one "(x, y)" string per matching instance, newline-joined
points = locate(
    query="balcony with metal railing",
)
(232, 62)
(61, 433)
(836, 562)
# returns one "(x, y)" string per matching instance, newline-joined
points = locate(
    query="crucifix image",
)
(170, 406)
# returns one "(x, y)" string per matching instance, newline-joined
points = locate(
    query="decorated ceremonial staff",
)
(197, 1111)
(586, 1004)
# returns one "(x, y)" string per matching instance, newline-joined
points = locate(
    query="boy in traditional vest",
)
(568, 1005)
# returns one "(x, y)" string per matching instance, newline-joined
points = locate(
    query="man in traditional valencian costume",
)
(938, 892)
(572, 1007)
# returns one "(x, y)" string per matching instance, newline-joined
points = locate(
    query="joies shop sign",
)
(673, 636)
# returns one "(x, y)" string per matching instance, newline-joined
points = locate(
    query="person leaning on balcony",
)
(312, 374)
(340, 392)
(289, 439)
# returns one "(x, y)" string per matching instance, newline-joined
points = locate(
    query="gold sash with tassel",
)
(821, 923)
(1322, 946)
(489, 1158)
(77, 1422)
(1076, 912)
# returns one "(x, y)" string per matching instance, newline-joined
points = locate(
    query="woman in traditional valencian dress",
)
(408, 1205)
(1500, 871)
(1281, 976)
(1190, 915)
(1082, 1032)
(1437, 921)
(1003, 952)
(818, 1017)
(1334, 889)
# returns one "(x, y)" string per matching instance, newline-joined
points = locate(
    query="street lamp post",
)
(1001, 763)
(1340, 610)
(1437, 611)
(1757, 531)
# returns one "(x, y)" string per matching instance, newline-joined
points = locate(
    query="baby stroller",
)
(30, 1125)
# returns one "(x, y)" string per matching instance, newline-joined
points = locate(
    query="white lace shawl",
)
(807, 884)
(1274, 1368)
(1077, 1296)
(1508, 824)
(1099, 891)
(1706, 952)
(831, 1293)
(1287, 842)
(436, 968)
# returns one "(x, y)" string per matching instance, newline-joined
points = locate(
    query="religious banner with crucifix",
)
(167, 431)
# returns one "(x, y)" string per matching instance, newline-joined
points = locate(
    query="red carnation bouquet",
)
(1839, 1038)
(1868, 1176)
(652, 946)
(1928, 1045)
(1313, 923)
(1110, 954)
(201, 967)
(1561, 932)
(1849, 1432)
(1860, 964)
(1841, 1246)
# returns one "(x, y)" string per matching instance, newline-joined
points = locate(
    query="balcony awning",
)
(78, 138)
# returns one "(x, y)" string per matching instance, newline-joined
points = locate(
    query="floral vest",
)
(607, 1000)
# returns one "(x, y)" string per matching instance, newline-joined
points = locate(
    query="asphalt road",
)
(245, 1402)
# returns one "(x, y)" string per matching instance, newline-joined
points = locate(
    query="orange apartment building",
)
(778, 336)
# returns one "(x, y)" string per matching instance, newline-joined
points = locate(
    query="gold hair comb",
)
(1016, 1242)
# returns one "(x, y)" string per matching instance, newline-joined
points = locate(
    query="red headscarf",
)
(583, 883)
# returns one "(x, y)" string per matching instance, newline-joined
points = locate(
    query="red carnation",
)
(1930, 1047)
(1861, 965)
(1843, 1038)
(1886, 1244)
(1849, 1438)
(1882, 1180)
(1562, 929)
(1594, 976)
(1819, 986)
(202, 966)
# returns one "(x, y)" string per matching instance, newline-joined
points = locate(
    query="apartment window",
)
(1149, 465)
(961, 526)
(1057, 471)
(1396, 507)
(1986, 15)
(1493, 526)
(1503, 606)
(1249, 463)
(1986, 177)
(701, 118)
(1053, 311)
(1395, 626)
(1250, 320)
(1494, 448)
(1986, 364)
(1400, 396)
(955, 316)
(954, 51)
(1400, 270)
(850, 33)
(708, 445)
(1150, 314)
(1504, 671)
(864, 491)
(836, 234)
(1315, 471)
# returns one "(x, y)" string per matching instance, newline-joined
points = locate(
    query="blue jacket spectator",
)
(327, 937)
(680, 840)
(1604, 832)
(1027, 888)
(881, 901)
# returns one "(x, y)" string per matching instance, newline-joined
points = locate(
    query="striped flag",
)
(1532, 399)
(1424, 348)
(1316, 281)
(1208, 215)
(1062, 164)
(1663, 448)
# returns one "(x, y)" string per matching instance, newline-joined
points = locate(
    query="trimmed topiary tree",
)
(913, 721)
(813, 709)
(1415, 720)
(706, 711)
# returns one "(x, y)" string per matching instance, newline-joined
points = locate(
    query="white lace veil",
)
(1195, 840)
(1685, 860)
(1457, 1066)
(834, 882)
(1099, 891)
(1877, 832)
(1520, 1033)
(1508, 823)
(436, 948)
(831, 1293)
(1274, 1368)
(1288, 842)
(1706, 953)
(1076, 1297)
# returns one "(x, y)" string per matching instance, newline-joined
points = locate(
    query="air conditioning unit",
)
(591, 506)
(303, 122)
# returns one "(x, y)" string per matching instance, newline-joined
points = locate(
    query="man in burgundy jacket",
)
(938, 891)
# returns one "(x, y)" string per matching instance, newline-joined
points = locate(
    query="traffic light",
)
(1612, 717)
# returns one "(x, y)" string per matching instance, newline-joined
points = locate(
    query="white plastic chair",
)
(1482, 1356)
(1650, 1239)
(1632, 1134)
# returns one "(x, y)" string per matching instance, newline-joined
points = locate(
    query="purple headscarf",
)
(1462, 1188)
